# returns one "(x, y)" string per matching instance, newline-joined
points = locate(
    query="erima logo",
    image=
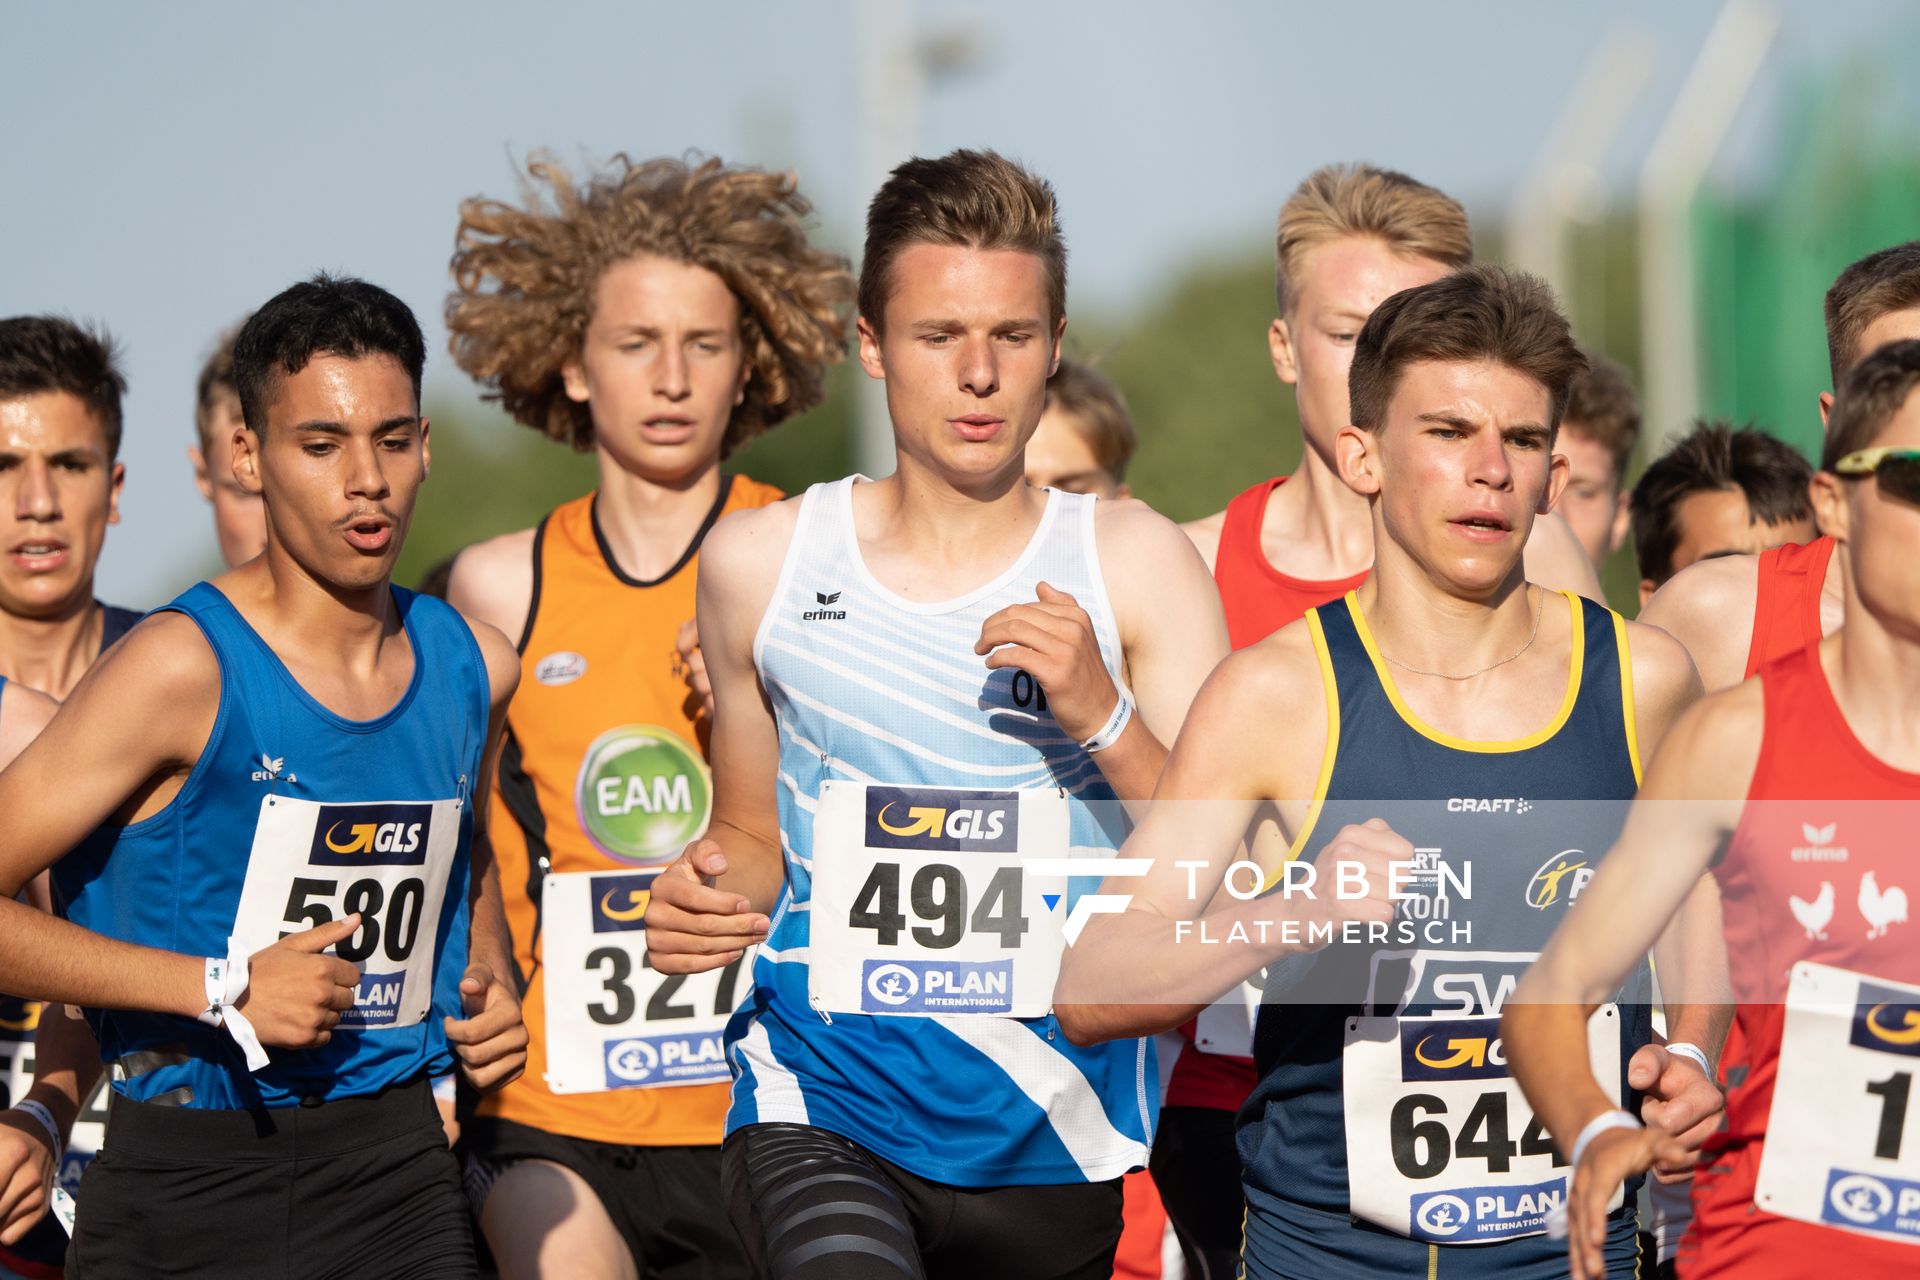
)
(269, 770)
(1469, 1049)
(362, 834)
(1819, 846)
(1887, 1019)
(622, 904)
(825, 613)
(1497, 804)
(912, 818)
(1559, 879)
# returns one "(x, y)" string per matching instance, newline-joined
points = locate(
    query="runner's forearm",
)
(1132, 764)
(46, 958)
(755, 869)
(66, 1065)
(488, 939)
(1546, 1048)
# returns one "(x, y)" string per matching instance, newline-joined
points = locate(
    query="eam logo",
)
(1886, 1019)
(1467, 1049)
(620, 902)
(354, 835)
(951, 821)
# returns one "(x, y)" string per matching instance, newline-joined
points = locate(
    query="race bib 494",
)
(386, 861)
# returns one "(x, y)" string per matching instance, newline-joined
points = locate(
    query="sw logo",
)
(923, 818)
(1559, 879)
(353, 835)
(376, 1001)
(1887, 1019)
(620, 902)
(1467, 1215)
(826, 612)
(1875, 1203)
(639, 1061)
(1468, 1049)
(936, 986)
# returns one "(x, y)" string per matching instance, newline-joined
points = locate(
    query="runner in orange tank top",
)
(695, 316)
(1809, 778)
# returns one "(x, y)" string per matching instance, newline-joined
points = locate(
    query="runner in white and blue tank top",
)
(869, 687)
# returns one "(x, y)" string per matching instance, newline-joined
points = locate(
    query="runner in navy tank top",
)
(281, 764)
(1457, 744)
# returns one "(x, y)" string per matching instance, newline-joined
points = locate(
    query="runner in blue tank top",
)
(1459, 746)
(925, 691)
(280, 919)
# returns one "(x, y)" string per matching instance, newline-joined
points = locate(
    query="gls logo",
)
(1469, 1049)
(915, 818)
(621, 906)
(826, 612)
(353, 835)
(1886, 1019)
(1559, 879)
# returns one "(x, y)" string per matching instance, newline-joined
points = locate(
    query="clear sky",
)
(170, 166)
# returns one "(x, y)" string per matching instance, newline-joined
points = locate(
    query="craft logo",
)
(1559, 879)
(1872, 1203)
(1819, 846)
(1470, 1215)
(620, 902)
(1489, 804)
(354, 835)
(376, 1001)
(936, 986)
(560, 668)
(643, 794)
(1467, 1049)
(1887, 1019)
(638, 1062)
(925, 819)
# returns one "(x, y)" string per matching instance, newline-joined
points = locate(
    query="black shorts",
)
(665, 1201)
(354, 1188)
(813, 1205)
(1197, 1169)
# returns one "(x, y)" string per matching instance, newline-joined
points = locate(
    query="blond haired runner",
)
(661, 315)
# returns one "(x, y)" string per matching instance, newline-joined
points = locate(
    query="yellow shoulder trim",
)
(1626, 693)
(1427, 731)
(1320, 785)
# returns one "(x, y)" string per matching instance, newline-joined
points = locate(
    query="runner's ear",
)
(1359, 461)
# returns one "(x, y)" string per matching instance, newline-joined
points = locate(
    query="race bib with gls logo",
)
(388, 861)
(612, 1022)
(1840, 1147)
(922, 903)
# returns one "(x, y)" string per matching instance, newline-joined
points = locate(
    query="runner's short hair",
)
(1098, 411)
(967, 199)
(1714, 458)
(1602, 406)
(52, 353)
(216, 380)
(1477, 313)
(1879, 283)
(328, 315)
(526, 282)
(1870, 395)
(1341, 200)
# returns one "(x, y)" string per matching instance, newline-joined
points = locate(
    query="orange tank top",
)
(602, 770)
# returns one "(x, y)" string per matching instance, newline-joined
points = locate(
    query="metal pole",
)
(1676, 165)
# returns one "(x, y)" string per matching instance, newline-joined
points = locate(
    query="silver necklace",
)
(1538, 604)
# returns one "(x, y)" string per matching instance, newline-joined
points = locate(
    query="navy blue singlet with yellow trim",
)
(1521, 823)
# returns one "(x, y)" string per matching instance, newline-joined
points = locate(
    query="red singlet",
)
(1786, 600)
(1259, 600)
(1788, 897)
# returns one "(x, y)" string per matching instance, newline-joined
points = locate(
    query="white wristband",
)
(226, 982)
(47, 1122)
(1109, 733)
(1615, 1119)
(1692, 1053)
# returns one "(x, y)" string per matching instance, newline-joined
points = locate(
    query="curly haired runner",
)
(661, 315)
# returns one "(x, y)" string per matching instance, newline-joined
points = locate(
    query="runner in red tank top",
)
(1810, 777)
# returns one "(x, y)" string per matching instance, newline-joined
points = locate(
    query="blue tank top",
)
(1522, 823)
(868, 687)
(375, 796)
